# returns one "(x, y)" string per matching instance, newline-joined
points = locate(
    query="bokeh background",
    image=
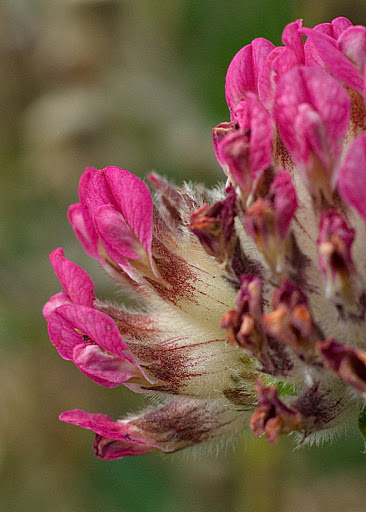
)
(138, 84)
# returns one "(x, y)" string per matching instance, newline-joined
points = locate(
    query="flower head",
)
(250, 298)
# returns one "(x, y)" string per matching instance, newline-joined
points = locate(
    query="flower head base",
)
(251, 304)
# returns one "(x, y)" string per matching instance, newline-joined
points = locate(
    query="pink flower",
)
(251, 302)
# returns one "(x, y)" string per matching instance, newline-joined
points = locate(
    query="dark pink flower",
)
(250, 299)
(114, 218)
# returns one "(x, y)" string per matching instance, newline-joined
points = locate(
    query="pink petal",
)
(100, 423)
(309, 91)
(218, 134)
(242, 74)
(279, 61)
(114, 438)
(118, 239)
(71, 325)
(339, 25)
(132, 199)
(74, 280)
(352, 43)
(234, 153)
(80, 218)
(111, 449)
(124, 193)
(336, 62)
(352, 176)
(311, 136)
(292, 39)
(87, 238)
(335, 28)
(254, 117)
(283, 196)
(103, 367)
(57, 300)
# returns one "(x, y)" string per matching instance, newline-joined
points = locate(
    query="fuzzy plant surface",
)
(249, 299)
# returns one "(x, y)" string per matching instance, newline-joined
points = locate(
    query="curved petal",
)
(57, 300)
(80, 218)
(74, 280)
(87, 237)
(103, 367)
(71, 325)
(134, 202)
(118, 239)
(242, 74)
(292, 39)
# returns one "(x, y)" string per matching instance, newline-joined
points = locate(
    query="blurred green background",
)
(138, 84)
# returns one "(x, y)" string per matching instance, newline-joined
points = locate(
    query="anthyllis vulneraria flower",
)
(250, 299)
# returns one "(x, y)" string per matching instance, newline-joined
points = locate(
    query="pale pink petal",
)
(57, 300)
(74, 280)
(352, 43)
(242, 74)
(71, 325)
(352, 176)
(103, 367)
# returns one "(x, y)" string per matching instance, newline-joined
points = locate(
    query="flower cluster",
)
(250, 299)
